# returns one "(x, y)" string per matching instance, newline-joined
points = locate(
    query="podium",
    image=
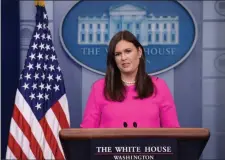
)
(134, 143)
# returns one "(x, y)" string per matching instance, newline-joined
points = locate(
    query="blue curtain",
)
(10, 50)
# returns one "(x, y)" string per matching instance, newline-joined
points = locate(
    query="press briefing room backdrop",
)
(184, 44)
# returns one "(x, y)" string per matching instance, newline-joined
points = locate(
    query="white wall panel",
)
(213, 64)
(213, 91)
(213, 10)
(213, 35)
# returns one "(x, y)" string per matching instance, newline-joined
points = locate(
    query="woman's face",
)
(127, 57)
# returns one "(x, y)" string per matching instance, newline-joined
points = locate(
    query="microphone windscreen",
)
(125, 124)
(135, 124)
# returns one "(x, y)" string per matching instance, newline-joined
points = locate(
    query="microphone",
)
(125, 124)
(135, 124)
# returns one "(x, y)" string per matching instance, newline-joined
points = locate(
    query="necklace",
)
(133, 82)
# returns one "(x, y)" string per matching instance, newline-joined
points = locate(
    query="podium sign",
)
(134, 143)
(131, 148)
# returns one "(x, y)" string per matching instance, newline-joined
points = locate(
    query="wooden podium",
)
(136, 143)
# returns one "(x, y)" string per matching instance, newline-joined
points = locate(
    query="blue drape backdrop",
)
(10, 50)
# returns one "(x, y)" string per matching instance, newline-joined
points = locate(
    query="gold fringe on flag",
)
(39, 3)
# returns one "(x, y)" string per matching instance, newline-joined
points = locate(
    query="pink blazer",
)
(154, 112)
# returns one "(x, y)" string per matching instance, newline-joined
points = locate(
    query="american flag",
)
(41, 107)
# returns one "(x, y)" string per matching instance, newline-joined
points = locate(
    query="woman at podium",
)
(127, 96)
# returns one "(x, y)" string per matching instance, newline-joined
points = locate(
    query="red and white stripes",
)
(33, 139)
